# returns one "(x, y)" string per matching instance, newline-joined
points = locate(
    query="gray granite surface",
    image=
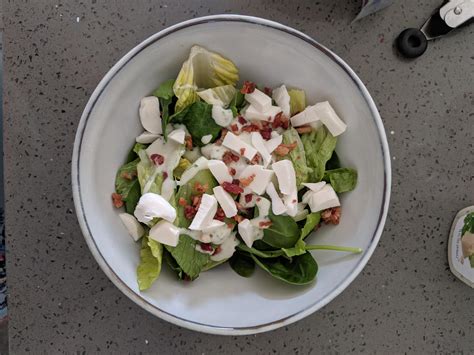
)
(405, 300)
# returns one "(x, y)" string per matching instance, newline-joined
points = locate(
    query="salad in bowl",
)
(229, 172)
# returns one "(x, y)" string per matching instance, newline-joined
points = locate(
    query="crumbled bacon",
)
(188, 141)
(248, 87)
(207, 247)
(285, 149)
(230, 157)
(266, 133)
(189, 212)
(246, 181)
(331, 215)
(200, 188)
(220, 215)
(117, 200)
(268, 91)
(248, 198)
(250, 128)
(242, 151)
(232, 171)
(221, 138)
(280, 121)
(217, 250)
(265, 224)
(165, 175)
(127, 175)
(241, 120)
(157, 159)
(238, 218)
(182, 202)
(234, 127)
(304, 129)
(196, 201)
(256, 159)
(232, 188)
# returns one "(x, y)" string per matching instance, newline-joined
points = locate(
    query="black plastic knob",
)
(412, 43)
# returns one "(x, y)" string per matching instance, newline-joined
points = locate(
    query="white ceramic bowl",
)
(220, 301)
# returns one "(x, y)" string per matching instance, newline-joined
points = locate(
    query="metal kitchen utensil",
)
(453, 14)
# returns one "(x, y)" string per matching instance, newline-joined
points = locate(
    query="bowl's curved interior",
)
(220, 298)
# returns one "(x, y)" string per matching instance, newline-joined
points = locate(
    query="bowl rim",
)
(121, 285)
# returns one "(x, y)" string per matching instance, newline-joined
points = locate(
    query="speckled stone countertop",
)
(405, 300)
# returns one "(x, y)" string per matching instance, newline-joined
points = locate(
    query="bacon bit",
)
(294, 201)
(331, 215)
(238, 218)
(242, 151)
(196, 201)
(187, 278)
(256, 159)
(128, 175)
(230, 225)
(304, 129)
(232, 171)
(189, 212)
(207, 247)
(247, 181)
(250, 128)
(280, 121)
(220, 215)
(240, 207)
(265, 224)
(117, 200)
(259, 199)
(188, 141)
(248, 87)
(285, 149)
(268, 91)
(182, 202)
(266, 133)
(265, 124)
(234, 127)
(248, 198)
(230, 157)
(241, 120)
(232, 188)
(165, 175)
(157, 159)
(221, 138)
(217, 250)
(199, 188)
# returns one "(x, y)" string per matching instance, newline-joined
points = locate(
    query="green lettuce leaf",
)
(187, 257)
(139, 146)
(319, 146)
(297, 101)
(202, 70)
(297, 156)
(182, 166)
(342, 180)
(127, 185)
(165, 95)
(149, 269)
(220, 95)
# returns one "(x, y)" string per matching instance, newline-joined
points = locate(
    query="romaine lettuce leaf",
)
(145, 170)
(187, 257)
(220, 95)
(149, 269)
(297, 101)
(202, 70)
(297, 156)
(342, 180)
(319, 146)
(127, 185)
(182, 166)
(165, 94)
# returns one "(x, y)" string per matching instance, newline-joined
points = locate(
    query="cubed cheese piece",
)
(219, 170)
(282, 99)
(151, 206)
(291, 203)
(323, 199)
(259, 143)
(177, 135)
(278, 207)
(221, 116)
(274, 142)
(261, 179)
(329, 117)
(146, 138)
(134, 228)
(285, 173)
(227, 249)
(225, 201)
(206, 212)
(247, 198)
(263, 206)
(189, 173)
(149, 112)
(315, 186)
(249, 233)
(216, 232)
(206, 139)
(259, 100)
(307, 116)
(165, 232)
(251, 113)
(233, 142)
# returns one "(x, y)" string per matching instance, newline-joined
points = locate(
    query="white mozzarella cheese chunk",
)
(261, 178)
(146, 138)
(165, 232)
(221, 116)
(323, 199)
(213, 151)
(167, 188)
(225, 201)
(251, 113)
(134, 228)
(206, 212)
(291, 203)
(227, 249)
(206, 139)
(216, 232)
(329, 117)
(177, 135)
(259, 143)
(249, 232)
(307, 116)
(285, 173)
(314, 186)
(149, 112)
(245, 201)
(278, 207)
(189, 173)
(282, 99)
(152, 206)
(259, 100)
(263, 206)
(273, 142)
(234, 143)
(171, 151)
(219, 170)
(307, 196)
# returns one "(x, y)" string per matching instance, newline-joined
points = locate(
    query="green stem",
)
(334, 247)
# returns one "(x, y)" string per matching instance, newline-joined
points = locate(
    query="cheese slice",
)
(149, 113)
(285, 173)
(323, 199)
(219, 170)
(282, 99)
(274, 142)
(165, 232)
(178, 135)
(225, 201)
(259, 143)
(278, 207)
(259, 100)
(262, 178)
(234, 143)
(252, 113)
(206, 212)
(329, 117)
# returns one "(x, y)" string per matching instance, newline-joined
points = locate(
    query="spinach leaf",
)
(242, 264)
(149, 269)
(468, 224)
(283, 233)
(298, 249)
(165, 94)
(212, 264)
(126, 184)
(198, 120)
(319, 146)
(342, 180)
(334, 162)
(260, 253)
(261, 245)
(312, 220)
(173, 264)
(187, 257)
(297, 156)
(133, 196)
(300, 270)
